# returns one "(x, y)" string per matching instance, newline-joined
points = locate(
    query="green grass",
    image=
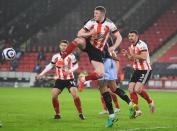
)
(30, 109)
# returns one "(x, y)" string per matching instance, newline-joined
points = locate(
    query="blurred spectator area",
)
(39, 25)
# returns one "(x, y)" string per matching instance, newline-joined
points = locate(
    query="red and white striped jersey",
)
(103, 31)
(141, 64)
(69, 61)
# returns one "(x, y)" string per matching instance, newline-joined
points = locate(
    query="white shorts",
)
(110, 72)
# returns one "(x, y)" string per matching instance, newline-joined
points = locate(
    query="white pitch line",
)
(150, 128)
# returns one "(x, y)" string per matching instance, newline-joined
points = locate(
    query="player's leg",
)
(77, 101)
(108, 101)
(131, 86)
(77, 42)
(98, 73)
(105, 111)
(106, 96)
(111, 76)
(115, 100)
(55, 102)
(134, 97)
(121, 93)
(57, 89)
(139, 88)
(143, 77)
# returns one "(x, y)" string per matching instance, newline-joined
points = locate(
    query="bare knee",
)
(55, 93)
(131, 87)
(138, 90)
(74, 95)
(79, 41)
(73, 92)
(100, 73)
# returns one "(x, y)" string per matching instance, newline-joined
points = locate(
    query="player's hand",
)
(114, 56)
(93, 34)
(124, 52)
(38, 77)
(131, 51)
(111, 49)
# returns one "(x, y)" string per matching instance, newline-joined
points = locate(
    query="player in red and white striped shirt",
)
(64, 78)
(92, 38)
(139, 54)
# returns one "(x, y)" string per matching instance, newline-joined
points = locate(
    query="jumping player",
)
(65, 78)
(92, 38)
(139, 54)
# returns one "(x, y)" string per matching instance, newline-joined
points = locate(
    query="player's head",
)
(63, 45)
(133, 36)
(99, 13)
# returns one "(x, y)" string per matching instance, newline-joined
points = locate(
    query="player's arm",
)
(118, 37)
(87, 30)
(47, 68)
(141, 56)
(126, 54)
(86, 34)
(114, 56)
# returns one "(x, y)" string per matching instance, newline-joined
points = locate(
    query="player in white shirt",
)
(64, 78)
(139, 54)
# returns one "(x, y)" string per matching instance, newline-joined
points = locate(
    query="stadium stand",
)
(155, 20)
(158, 33)
(170, 56)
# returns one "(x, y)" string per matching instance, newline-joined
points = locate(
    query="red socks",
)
(145, 96)
(134, 97)
(56, 105)
(77, 103)
(69, 49)
(92, 76)
(115, 100)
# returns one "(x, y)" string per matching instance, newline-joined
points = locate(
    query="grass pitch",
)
(30, 109)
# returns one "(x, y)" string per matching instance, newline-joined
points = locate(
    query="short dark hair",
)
(134, 31)
(101, 9)
(64, 41)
